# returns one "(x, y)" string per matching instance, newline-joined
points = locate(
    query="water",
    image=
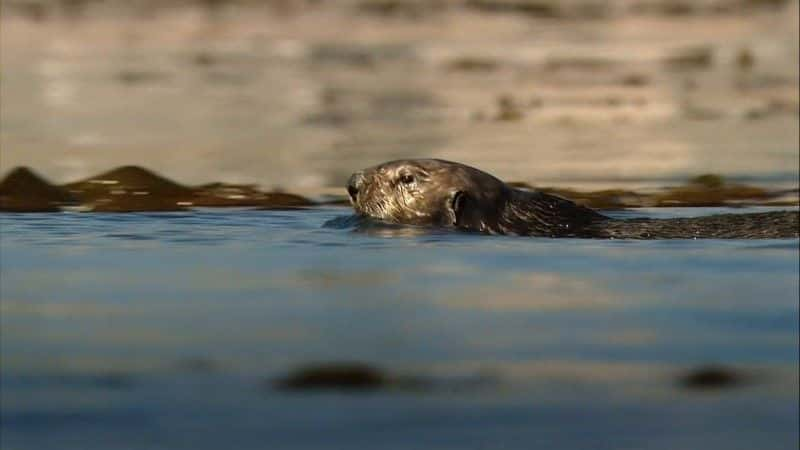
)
(150, 331)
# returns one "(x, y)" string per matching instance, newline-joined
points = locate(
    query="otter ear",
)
(457, 205)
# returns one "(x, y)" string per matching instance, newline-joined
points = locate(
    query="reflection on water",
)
(169, 331)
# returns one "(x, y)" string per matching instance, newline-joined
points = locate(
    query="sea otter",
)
(434, 192)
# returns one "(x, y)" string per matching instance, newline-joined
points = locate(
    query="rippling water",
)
(146, 331)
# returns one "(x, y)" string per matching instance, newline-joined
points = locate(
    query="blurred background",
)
(299, 93)
(209, 328)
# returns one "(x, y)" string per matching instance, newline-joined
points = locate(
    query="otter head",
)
(427, 192)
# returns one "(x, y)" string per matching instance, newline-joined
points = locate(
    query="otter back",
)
(539, 214)
(769, 225)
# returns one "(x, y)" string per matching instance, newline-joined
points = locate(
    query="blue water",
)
(164, 331)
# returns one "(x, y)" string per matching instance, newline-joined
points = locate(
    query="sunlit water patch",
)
(167, 330)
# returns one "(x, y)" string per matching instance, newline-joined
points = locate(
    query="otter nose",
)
(354, 184)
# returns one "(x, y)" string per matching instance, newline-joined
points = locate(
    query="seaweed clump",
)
(710, 190)
(22, 190)
(129, 189)
(701, 191)
(134, 189)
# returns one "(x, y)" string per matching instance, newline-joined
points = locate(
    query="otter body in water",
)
(432, 192)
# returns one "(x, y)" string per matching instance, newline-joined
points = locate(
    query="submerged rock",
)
(358, 377)
(22, 190)
(334, 376)
(712, 377)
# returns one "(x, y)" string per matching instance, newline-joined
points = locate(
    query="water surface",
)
(149, 331)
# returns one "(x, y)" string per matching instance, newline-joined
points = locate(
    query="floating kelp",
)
(702, 191)
(129, 189)
(133, 188)
(22, 190)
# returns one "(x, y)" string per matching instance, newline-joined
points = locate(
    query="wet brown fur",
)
(433, 192)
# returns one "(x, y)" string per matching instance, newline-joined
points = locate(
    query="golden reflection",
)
(536, 291)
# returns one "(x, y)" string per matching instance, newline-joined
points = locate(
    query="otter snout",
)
(354, 184)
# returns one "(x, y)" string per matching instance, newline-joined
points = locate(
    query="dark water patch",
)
(346, 221)
(198, 365)
(116, 381)
(49, 421)
(362, 377)
(376, 228)
(282, 208)
(131, 237)
(775, 245)
(713, 378)
(340, 376)
(197, 240)
(747, 321)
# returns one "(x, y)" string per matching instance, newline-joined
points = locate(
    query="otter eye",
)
(406, 178)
